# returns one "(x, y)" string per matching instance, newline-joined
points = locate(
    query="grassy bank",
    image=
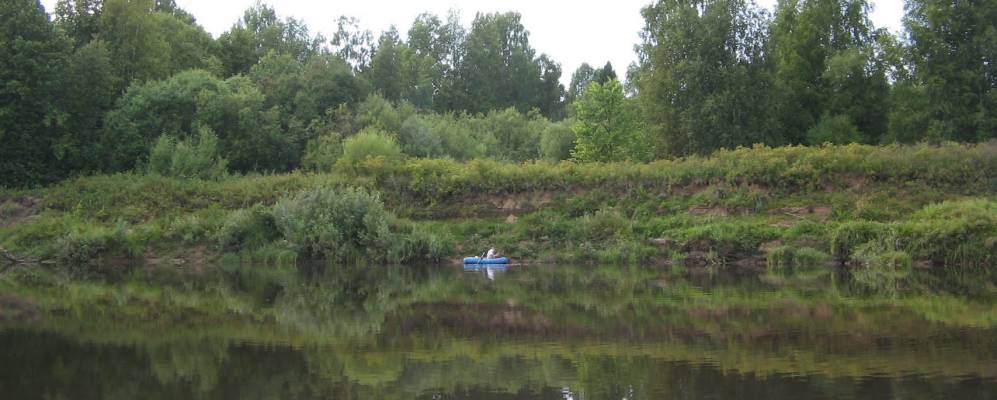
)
(887, 205)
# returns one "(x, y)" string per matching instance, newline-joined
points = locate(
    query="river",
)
(531, 332)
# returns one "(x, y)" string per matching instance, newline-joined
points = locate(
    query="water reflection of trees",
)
(596, 332)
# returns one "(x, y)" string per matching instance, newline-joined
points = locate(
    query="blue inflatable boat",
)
(479, 260)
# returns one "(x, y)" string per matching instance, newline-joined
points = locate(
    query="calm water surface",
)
(538, 332)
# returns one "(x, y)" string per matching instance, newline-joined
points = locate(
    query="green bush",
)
(187, 159)
(188, 229)
(837, 129)
(557, 141)
(250, 133)
(788, 256)
(849, 235)
(369, 143)
(250, 227)
(77, 250)
(602, 225)
(378, 113)
(321, 153)
(338, 224)
(957, 232)
(418, 139)
(728, 238)
(420, 242)
(872, 255)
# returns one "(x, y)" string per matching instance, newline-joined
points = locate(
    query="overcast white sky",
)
(570, 31)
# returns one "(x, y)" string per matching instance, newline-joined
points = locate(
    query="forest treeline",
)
(102, 86)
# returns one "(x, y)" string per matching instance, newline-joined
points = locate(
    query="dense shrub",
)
(516, 135)
(377, 112)
(602, 225)
(248, 227)
(788, 256)
(321, 153)
(958, 232)
(187, 159)
(418, 139)
(77, 250)
(835, 130)
(338, 224)
(249, 135)
(850, 235)
(369, 143)
(557, 141)
(419, 242)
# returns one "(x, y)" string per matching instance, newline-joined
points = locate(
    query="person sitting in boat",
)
(491, 254)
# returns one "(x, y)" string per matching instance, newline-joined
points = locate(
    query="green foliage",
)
(872, 255)
(78, 249)
(607, 126)
(187, 159)
(420, 242)
(499, 69)
(418, 138)
(337, 224)
(824, 66)
(248, 228)
(516, 136)
(148, 44)
(92, 90)
(369, 143)
(386, 66)
(850, 235)
(728, 239)
(953, 48)
(956, 232)
(602, 225)
(250, 137)
(80, 19)
(261, 32)
(322, 152)
(835, 130)
(32, 55)
(305, 89)
(377, 112)
(704, 80)
(788, 256)
(557, 141)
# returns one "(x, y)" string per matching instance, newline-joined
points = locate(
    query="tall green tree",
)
(604, 74)
(88, 89)
(826, 70)
(607, 125)
(353, 44)
(80, 19)
(499, 68)
(584, 75)
(147, 43)
(954, 46)
(32, 56)
(386, 73)
(703, 80)
(451, 38)
(580, 80)
(432, 54)
(261, 31)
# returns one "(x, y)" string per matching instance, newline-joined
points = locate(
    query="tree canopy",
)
(94, 86)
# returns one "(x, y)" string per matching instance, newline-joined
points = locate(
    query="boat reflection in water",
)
(490, 270)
